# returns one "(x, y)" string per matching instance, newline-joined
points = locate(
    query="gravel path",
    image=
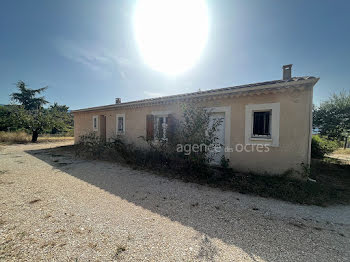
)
(58, 208)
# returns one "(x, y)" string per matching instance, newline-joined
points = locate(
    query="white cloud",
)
(122, 61)
(95, 58)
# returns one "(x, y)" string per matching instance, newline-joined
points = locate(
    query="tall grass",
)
(20, 137)
(14, 137)
(342, 151)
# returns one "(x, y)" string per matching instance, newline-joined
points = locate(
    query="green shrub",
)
(193, 129)
(224, 162)
(321, 146)
(91, 144)
(157, 158)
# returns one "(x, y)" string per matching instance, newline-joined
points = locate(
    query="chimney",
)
(118, 100)
(287, 72)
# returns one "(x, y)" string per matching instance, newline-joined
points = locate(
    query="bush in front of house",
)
(194, 128)
(157, 158)
(161, 156)
(321, 146)
(165, 162)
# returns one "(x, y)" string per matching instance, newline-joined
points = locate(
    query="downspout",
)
(310, 127)
(310, 124)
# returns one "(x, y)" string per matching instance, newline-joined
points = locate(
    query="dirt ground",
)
(343, 157)
(55, 207)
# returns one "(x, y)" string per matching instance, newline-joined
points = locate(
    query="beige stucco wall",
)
(294, 140)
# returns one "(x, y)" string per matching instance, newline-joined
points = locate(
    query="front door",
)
(102, 127)
(220, 134)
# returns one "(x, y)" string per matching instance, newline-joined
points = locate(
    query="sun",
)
(171, 34)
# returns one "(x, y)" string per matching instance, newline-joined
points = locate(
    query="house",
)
(275, 114)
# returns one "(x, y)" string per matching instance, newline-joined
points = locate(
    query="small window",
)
(261, 124)
(120, 123)
(95, 123)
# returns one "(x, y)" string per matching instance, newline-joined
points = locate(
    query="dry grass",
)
(54, 138)
(342, 151)
(21, 137)
(14, 137)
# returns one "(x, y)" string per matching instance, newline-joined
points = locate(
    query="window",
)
(261, 124)
(160, 127)
(95, 123)
(120, 123)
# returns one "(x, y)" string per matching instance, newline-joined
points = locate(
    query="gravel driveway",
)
(58, 208)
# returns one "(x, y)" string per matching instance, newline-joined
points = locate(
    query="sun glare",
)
(171, 34)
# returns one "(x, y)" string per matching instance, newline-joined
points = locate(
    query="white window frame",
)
(93, 121)
(272, 140)
(227, 111)
(116, 119)
(158, 114)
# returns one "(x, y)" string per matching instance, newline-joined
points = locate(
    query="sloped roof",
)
(243, 88)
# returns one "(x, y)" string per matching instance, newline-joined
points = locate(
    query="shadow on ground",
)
(215, 214)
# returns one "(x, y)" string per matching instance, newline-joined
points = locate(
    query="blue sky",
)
(85, 51)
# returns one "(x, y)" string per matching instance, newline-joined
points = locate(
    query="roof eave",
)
(307, 82)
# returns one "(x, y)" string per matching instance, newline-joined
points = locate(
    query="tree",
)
(4, 118)
(191, 141)
(332, 117)
(31, 113)
(26, 97)
(196, 129)
(62, 118)
(59, 108)
(34, 120)
(8, 120)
